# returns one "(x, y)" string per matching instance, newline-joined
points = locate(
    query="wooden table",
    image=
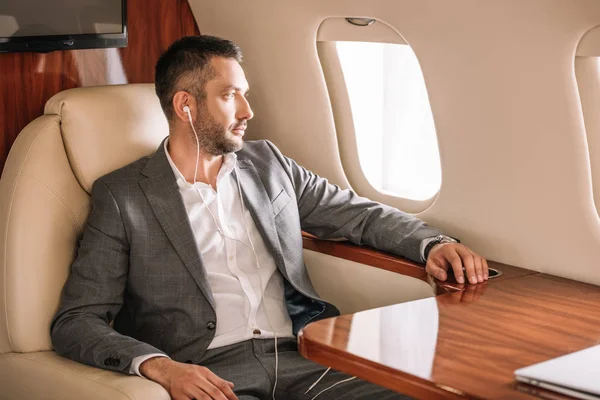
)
(465, 343)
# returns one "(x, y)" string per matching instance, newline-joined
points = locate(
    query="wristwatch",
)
(439, 239)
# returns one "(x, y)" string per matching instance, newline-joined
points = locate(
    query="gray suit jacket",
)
(138, 265)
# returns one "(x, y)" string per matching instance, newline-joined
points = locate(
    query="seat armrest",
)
(365, 255)
(47, 376)
(380, 259)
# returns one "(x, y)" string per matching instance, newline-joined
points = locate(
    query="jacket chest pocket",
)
(280, 201)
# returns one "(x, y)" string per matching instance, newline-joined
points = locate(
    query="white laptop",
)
(576, 374)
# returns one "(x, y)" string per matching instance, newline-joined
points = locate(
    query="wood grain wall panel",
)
(28, 80)
(153, 26)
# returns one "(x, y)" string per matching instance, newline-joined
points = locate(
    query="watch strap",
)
(437, 240)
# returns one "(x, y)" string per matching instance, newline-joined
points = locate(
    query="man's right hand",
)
(187, 381)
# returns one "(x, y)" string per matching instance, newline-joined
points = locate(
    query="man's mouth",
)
(239, 130)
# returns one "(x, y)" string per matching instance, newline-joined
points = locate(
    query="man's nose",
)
(244, 111)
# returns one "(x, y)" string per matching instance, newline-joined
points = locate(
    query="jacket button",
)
(189, 362)
(211, 325)
(116, 362)
(107, 361)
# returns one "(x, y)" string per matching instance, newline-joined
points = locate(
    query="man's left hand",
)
(457, 256)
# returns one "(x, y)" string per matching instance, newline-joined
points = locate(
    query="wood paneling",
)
(156, 24)
(28, 80)
(476, 340)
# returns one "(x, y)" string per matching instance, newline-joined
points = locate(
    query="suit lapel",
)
(259, 205)
(162, 193)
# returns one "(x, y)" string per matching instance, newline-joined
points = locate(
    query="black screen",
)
(59, 17)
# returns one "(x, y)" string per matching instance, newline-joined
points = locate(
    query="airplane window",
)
(393, 122)
(587, 71)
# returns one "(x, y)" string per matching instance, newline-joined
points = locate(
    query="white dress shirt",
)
(244, 293)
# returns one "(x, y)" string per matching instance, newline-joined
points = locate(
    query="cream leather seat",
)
(44, 203)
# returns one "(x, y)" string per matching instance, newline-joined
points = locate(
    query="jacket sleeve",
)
(94, 292)
(329, 212)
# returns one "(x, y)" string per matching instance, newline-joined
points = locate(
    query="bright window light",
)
(395, 134)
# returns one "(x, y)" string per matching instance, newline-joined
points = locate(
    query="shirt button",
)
(211, 325)
(230, 258)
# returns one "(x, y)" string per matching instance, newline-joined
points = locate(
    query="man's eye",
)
(230, 95)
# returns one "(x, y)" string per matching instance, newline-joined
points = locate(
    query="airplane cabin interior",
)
(479, 117)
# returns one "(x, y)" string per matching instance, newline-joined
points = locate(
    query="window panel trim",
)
(589, 45)
(340, 30)
(346, 135)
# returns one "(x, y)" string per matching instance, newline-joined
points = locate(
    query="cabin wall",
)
(516, 178)
(28, 80)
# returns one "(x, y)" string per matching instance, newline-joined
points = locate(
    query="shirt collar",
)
(229, 163)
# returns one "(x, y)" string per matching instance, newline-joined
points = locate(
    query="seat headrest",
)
(107, 127)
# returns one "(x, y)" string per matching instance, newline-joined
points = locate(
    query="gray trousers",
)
(250, 365)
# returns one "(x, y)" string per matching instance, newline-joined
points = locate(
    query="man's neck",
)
(183, 155)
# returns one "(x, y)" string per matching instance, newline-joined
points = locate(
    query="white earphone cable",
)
(335, 384)
(186, 109)
(317, 381)
(243, 205)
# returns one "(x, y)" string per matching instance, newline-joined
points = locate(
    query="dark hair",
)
(186, 66)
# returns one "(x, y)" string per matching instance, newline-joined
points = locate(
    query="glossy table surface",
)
(463, 344)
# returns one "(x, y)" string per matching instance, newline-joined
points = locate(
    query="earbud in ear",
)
(186, 109)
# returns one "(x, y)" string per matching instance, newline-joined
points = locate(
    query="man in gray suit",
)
(194, 254)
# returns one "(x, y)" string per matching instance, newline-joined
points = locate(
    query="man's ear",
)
(181, 100)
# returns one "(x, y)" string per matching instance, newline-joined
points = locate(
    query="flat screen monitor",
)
(48, 25)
